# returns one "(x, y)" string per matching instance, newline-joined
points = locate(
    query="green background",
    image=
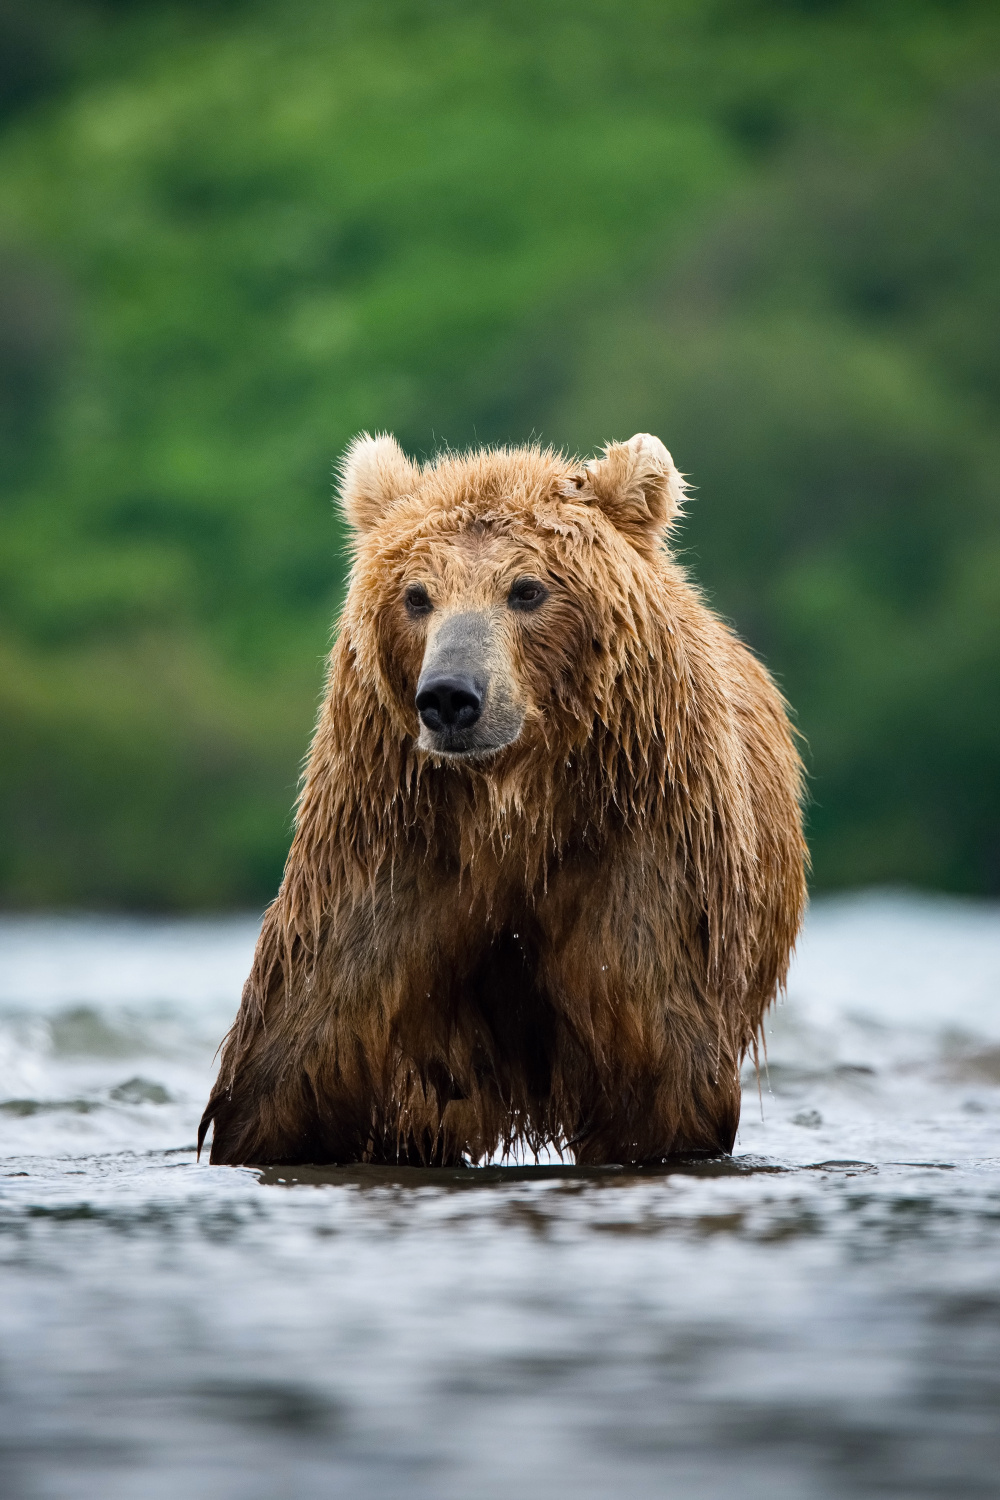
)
(233, 235)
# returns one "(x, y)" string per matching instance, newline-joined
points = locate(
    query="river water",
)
(818, 1316)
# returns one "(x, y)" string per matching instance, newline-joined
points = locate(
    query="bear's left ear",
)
(374, 473)
(637, 486)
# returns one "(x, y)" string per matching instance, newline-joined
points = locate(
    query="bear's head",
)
(496, 597)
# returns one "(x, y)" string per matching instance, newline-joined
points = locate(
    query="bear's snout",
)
(453, 702)
(464, 699)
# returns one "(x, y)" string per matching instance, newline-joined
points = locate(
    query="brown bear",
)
(548, 865)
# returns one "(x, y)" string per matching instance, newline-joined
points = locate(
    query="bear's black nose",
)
(449, 703)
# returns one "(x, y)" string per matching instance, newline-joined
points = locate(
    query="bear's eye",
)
(527, 593)
(418, 601)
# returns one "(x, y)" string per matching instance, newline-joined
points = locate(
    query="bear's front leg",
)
(300, 1075)
(352, 1052)
(646, 1066)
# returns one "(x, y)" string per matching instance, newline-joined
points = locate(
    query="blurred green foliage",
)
(234, 234)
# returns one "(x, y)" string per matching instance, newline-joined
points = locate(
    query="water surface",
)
(817, 1316)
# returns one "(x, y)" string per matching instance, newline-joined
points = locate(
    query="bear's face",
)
(468, 627)
(482, 599)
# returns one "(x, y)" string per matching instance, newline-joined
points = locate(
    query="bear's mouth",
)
(456, 744)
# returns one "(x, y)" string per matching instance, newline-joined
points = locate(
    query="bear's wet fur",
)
(561, 926)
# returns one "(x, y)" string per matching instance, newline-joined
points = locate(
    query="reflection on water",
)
(818, 1316)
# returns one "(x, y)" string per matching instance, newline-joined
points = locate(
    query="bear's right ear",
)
(374, 473)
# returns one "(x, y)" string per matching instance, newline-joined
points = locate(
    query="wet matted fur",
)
(568, 931)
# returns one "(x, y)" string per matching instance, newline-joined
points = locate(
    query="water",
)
(818, 1317)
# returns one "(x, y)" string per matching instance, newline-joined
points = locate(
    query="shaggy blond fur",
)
(572, 940)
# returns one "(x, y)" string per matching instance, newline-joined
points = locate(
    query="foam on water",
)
(108, 1027)
(818, 1316)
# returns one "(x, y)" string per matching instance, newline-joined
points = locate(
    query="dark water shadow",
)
(459, 1178)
